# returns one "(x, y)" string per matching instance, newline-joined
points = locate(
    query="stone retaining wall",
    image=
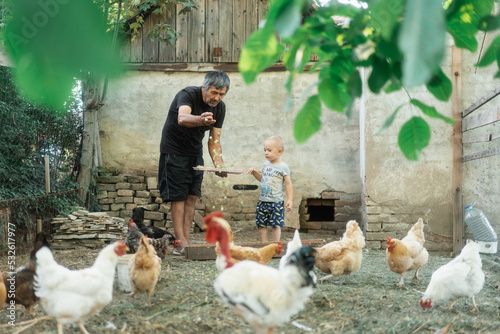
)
(395, 221)
(89, 229)
(121, 191)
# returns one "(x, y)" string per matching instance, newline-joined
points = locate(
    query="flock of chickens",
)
(263, 296)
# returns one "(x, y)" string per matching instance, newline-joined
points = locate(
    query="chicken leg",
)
(415, 277)
(474, 305)
(80, 325)
(59, 328)
(402, 281)
(449, 307)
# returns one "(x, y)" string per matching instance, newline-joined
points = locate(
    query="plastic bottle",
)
(481, 228)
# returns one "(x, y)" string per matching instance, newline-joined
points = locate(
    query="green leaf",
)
(489, 23)
(413, 137)
(289, 19)
(440, 86)
(464, 19)
(385, 15)
(463, 33)
(431, 111)
(135, 25)
(341, 68)
(491, 53)
(308, 120)
(482, 8)
(334, 94)
(395, 83)
(421, 40)
(380, 74)
(260, 51)
(389, 120)
(298, 54)
(355, 84)
(50, 44)
(393, 86)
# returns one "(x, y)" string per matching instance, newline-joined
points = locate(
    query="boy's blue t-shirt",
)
(271, 184)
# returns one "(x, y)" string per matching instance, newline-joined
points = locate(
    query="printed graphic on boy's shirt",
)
(269, 187)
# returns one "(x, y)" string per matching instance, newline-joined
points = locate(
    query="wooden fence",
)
(213, 33)
(489, 116)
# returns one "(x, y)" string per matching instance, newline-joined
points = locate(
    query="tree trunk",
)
(91, 152)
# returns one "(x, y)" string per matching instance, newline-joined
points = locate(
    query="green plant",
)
(30, 133)
(401, 41)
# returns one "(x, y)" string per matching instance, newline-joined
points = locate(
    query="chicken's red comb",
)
(131, 224)
(212, 215)
(425, 304)
(388, 239)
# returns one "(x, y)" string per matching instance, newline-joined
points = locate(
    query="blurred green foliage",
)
(402, 42)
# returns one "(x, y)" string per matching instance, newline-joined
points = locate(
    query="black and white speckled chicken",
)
(160, 245)
(151, 231)
(133, 237)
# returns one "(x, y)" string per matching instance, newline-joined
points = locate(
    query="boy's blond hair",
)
(278, 141)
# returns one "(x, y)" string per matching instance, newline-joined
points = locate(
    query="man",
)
(193, 111)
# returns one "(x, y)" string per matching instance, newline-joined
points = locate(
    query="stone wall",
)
(395, 221)
(121, 191)
(346, 207)
(88, 229)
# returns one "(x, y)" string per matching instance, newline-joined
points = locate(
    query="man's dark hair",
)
(218, 79)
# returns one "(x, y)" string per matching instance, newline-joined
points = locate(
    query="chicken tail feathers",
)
(417, 231)
(40, 242)
(138, 214)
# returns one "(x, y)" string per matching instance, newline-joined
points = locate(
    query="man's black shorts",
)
(176, 177)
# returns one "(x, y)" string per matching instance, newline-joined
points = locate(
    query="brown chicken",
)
(408, 253)
(239, 253)
(3, 291)
(344, 256)
(24, 276)
(144, 268)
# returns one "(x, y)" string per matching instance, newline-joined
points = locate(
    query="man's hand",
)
(221, 174)
(207, 119)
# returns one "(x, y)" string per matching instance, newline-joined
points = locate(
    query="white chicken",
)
(70, 296)
(291, 247)
(462, 277)
(263, 296)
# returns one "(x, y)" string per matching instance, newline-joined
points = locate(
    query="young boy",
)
(275, 173)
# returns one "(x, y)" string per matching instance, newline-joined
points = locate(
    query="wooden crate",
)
(207, 251)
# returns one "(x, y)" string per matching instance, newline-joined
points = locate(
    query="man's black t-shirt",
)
(180, 140)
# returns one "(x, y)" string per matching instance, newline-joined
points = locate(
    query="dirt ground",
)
(368, 301)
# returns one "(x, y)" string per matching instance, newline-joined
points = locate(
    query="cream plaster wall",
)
(136, 108)
(424, 188)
